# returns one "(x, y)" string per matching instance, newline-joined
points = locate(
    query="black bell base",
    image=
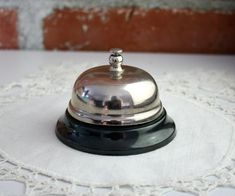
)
(115, 140)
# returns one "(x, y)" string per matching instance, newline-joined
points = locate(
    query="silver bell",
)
(115, 110)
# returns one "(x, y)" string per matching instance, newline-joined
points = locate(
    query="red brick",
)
(132, 29)
(8, 29)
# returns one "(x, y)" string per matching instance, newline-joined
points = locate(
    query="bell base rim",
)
(118, 141)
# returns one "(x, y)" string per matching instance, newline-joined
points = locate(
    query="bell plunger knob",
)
(115, 61)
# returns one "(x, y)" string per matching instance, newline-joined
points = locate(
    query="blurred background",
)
(179, 26)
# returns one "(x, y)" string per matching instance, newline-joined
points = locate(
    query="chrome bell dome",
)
(115, 95)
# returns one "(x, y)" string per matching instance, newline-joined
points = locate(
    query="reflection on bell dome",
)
(133, 99)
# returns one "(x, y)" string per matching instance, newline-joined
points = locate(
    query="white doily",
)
(198, 160)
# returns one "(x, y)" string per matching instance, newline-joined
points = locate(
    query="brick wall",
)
(191, 26)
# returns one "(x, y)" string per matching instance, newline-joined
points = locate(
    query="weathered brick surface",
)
(140, 30)
(8, 29)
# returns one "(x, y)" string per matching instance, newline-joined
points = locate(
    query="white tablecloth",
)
(198, 91)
